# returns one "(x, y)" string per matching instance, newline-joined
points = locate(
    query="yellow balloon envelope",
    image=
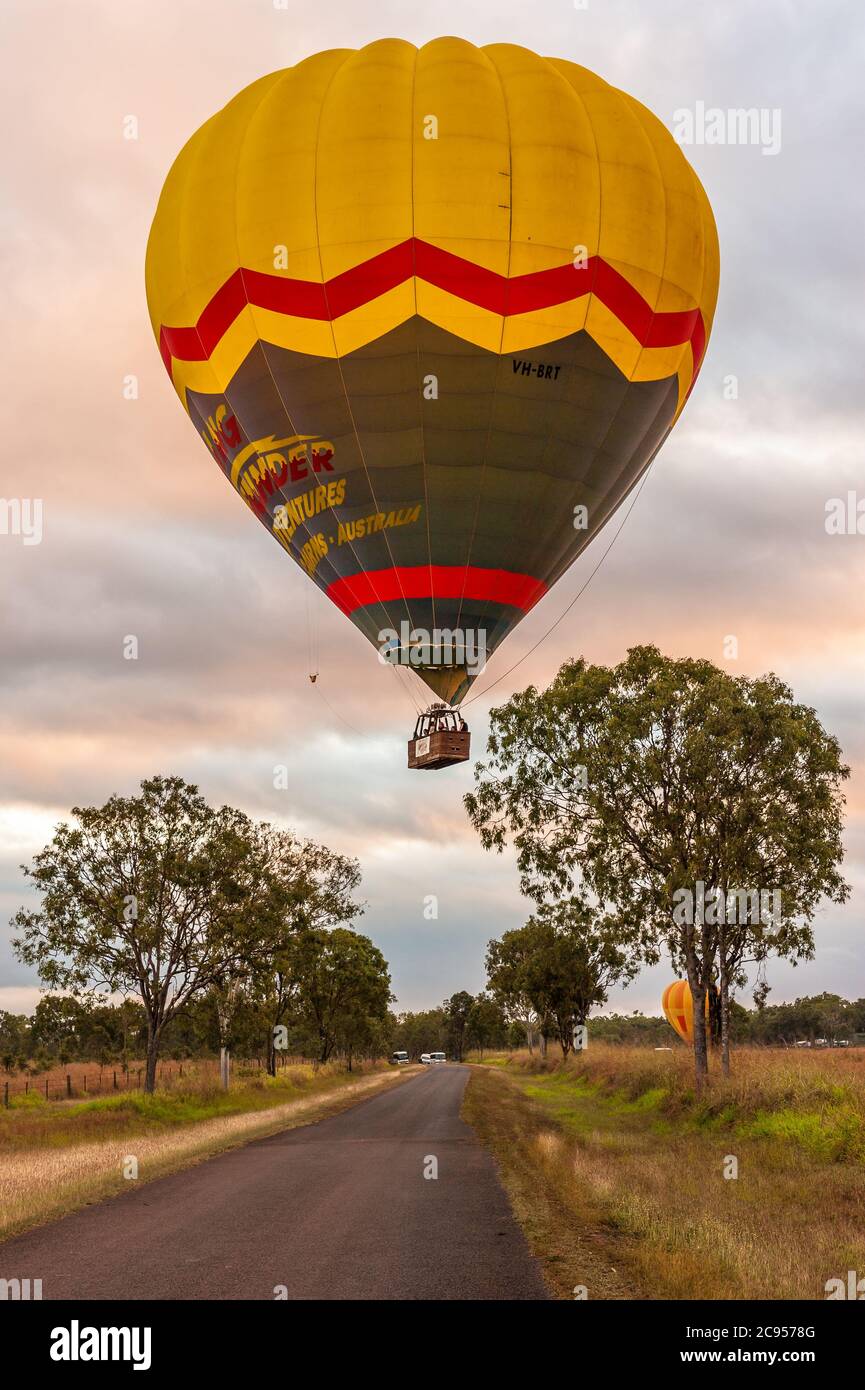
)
(433, 312)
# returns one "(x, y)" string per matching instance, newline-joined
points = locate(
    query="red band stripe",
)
(436, 582)
(521, 294)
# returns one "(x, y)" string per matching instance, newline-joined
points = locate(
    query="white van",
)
(399, 1059)
(436, 1057)
(425, 1059)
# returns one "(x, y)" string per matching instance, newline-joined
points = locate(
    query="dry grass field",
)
(616, 1142)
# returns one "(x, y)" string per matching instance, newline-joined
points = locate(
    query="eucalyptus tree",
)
(668, 789)
(157, 895)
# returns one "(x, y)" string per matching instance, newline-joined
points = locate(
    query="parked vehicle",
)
(425, 1059)
(436, 1058)
(400, 1059)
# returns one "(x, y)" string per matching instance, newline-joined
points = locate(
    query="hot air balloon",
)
(678, 1005)
(433, 312)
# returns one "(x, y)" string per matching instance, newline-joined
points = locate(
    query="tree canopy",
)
(166, 898)
(562, 963)
(656, 780)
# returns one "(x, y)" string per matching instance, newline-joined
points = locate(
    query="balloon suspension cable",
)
(567, 610)
(407, 686)
(360, 733)
(404, 687)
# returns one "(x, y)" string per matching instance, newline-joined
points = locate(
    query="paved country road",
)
(335, 1210)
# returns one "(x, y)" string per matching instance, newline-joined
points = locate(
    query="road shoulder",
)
(576, 1247)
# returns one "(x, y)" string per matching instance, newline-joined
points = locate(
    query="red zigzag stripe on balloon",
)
(521, 294)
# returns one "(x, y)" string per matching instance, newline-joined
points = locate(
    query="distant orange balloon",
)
(678, 1005)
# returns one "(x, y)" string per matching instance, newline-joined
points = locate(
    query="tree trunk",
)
(530, 1039)
(725, 1015)
(723, 988)
(542, 1045)
(725, 1030)
(698, 996)
(152, 1060)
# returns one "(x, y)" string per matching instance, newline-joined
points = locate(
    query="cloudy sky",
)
(141, 536)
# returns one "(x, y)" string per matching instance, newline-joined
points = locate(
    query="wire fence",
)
(79, 1081)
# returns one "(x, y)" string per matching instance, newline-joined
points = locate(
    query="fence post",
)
(139, 1078)
(114, 1074)
(46, 1088)
(85, 1083)
(68, 1086)
(26, 1088)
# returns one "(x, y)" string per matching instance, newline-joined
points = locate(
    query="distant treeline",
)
(815, 1016)
(464, 1023)
(64, 1029)
(485, 1027)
